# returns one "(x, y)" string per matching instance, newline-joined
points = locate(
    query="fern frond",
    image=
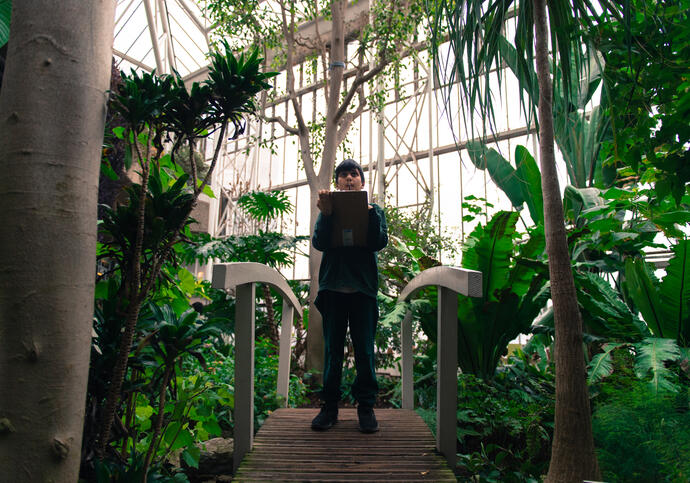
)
(601, 365)
(651, 355)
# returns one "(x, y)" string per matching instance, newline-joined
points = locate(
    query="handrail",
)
(243, 276)
(450, 281)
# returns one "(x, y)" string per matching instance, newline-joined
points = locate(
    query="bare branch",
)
(289, 66)
(363, 77)
(349, 117)
(282, 123)
(322, 48)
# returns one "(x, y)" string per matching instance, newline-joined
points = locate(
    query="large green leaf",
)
(529, 177)
(675, 293)
(489, 250)
(645, 294)
(5, 16)
(500, 170)
(513, 295)
(577, 200)
(601, 365)
(603, 312)
(652, 353)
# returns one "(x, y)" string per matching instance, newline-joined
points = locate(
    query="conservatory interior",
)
(530, 161)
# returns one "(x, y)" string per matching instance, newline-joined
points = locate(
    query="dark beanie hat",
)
(349, 165)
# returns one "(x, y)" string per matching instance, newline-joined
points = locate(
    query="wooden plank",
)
(287, 449)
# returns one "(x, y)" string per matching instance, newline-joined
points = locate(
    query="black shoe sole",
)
(323, 428)
(368, 430)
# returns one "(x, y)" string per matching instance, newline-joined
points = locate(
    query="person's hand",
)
(370, 207)
(324, 202)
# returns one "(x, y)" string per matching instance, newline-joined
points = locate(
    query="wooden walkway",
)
(287, 449)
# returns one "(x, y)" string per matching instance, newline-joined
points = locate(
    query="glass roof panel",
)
(160, 34)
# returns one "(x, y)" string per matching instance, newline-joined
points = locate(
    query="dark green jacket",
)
(351, 267)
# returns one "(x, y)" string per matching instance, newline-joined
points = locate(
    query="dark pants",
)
(361, 313)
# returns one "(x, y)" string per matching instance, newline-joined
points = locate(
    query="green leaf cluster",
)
(647, 59)
(641, 435)
(664, 305)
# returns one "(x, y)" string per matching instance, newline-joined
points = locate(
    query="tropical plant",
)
(505, 425)
(155, 107)
(5, 16)
(170, 337)
(665, 304)
(272, 248)
(513, 293)
(647, 57)
(474, 29)
(641, 434)
(521, 184)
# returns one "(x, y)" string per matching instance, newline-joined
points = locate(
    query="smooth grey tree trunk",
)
(52, 110)
(572, 451)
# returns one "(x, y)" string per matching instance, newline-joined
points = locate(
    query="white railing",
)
(450, 281)
(242, 277)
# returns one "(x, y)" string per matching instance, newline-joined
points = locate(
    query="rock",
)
(215, 462)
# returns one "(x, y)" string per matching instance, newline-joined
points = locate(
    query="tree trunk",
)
(315, 342)
(53, 110)
(572, 451)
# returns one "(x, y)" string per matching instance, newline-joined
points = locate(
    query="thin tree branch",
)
(282, 123)
(289, 66)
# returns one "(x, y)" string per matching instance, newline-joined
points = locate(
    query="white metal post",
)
(407, 363)
(244, 371)
(284, 351)
(447, 385)
(153, 31)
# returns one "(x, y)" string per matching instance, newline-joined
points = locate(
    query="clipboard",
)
(350, 218)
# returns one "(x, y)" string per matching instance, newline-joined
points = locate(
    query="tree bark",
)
(315, 342)
(572, 451)
(52, 109)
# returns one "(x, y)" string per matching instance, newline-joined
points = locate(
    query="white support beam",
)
(406, 373)
(284, 351)
(192, 16)
(153, 31)
(163, 14)
(447, 378)
(132, 60)
(244, 371)
(123, 13)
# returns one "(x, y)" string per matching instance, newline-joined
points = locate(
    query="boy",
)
(348, 284)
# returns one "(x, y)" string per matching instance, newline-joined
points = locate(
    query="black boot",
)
(367, 420)
(326, 418)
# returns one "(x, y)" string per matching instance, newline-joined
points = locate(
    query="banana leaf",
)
(500, 170)
(5, 16)
(643, 288)
(489, 249)
(486, 325)
(577, 200)
(603, 312)
(529, 177)
(675, 293)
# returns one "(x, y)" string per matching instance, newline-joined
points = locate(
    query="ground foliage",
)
(641, 434)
